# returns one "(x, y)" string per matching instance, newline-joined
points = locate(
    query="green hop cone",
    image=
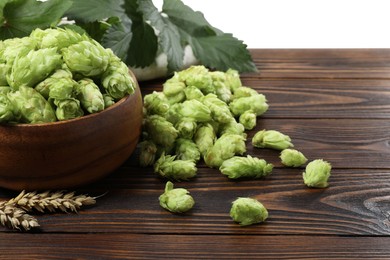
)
(248, 120)
(245, 167)
(57, 37)
(7, 109)
(32, 68)
(232, 127)
(197, 76)
(317, 174)
(16, 47)
(244, 92)
(68, 108)
(156, 103)
(186, 127)
(220, 111)
(292, 158)
(90, 96)
(192, 92)
(271, 139)
(168, 167)
(176, 200)
(173, 87)
(108, 100)
(32, 106)
(192, 109)
(221, 89)
(86, 58)
(248, 211)
(3, 72)
(225, 148)
(5, 89)
(233, 80)
(204, 138)
(116, 80)
(257, 104)
(161, 131)
(187, 150)
(148, 152)
(56, 88)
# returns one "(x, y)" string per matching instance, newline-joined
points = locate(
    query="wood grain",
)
(334, 104)
(141, 246)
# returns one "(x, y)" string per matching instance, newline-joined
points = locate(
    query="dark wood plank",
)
(356, 203)
(139, 246)
(320, 63)
(321, 98)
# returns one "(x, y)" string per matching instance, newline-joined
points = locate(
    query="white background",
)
(300, 23)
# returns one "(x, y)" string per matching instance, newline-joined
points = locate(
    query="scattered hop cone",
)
(148, 153)
(176, 200)
(28, 70)
(248, 120)
(161, 131)
(116, 80)
(317, 174)
(32, 106)
(245, 167)
(248, 211)
(204, 138)
(292, 158)
(186, 150)
(225, 148)
(90, 96)
(256, 103)
(86, 58)
(271, 139)
(167, 167)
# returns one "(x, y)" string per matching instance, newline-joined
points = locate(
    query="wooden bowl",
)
(70, 153)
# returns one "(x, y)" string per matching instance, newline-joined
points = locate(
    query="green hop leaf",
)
(20, 17)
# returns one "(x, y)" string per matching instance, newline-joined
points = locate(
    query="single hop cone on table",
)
(176, 200)
(271, 139)
(168, 167)
(317, 173)
(245, 167)
(248, 211)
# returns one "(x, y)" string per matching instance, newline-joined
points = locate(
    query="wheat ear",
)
(51, 201)
(16, 218)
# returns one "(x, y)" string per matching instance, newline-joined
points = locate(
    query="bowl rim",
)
(116, 105)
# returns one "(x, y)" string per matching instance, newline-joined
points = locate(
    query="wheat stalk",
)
(51, 201)
(13, 213)
(16, 218)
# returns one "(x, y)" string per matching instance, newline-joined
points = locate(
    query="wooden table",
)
(334, 104)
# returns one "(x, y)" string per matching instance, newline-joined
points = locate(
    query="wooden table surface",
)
(334, 104)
